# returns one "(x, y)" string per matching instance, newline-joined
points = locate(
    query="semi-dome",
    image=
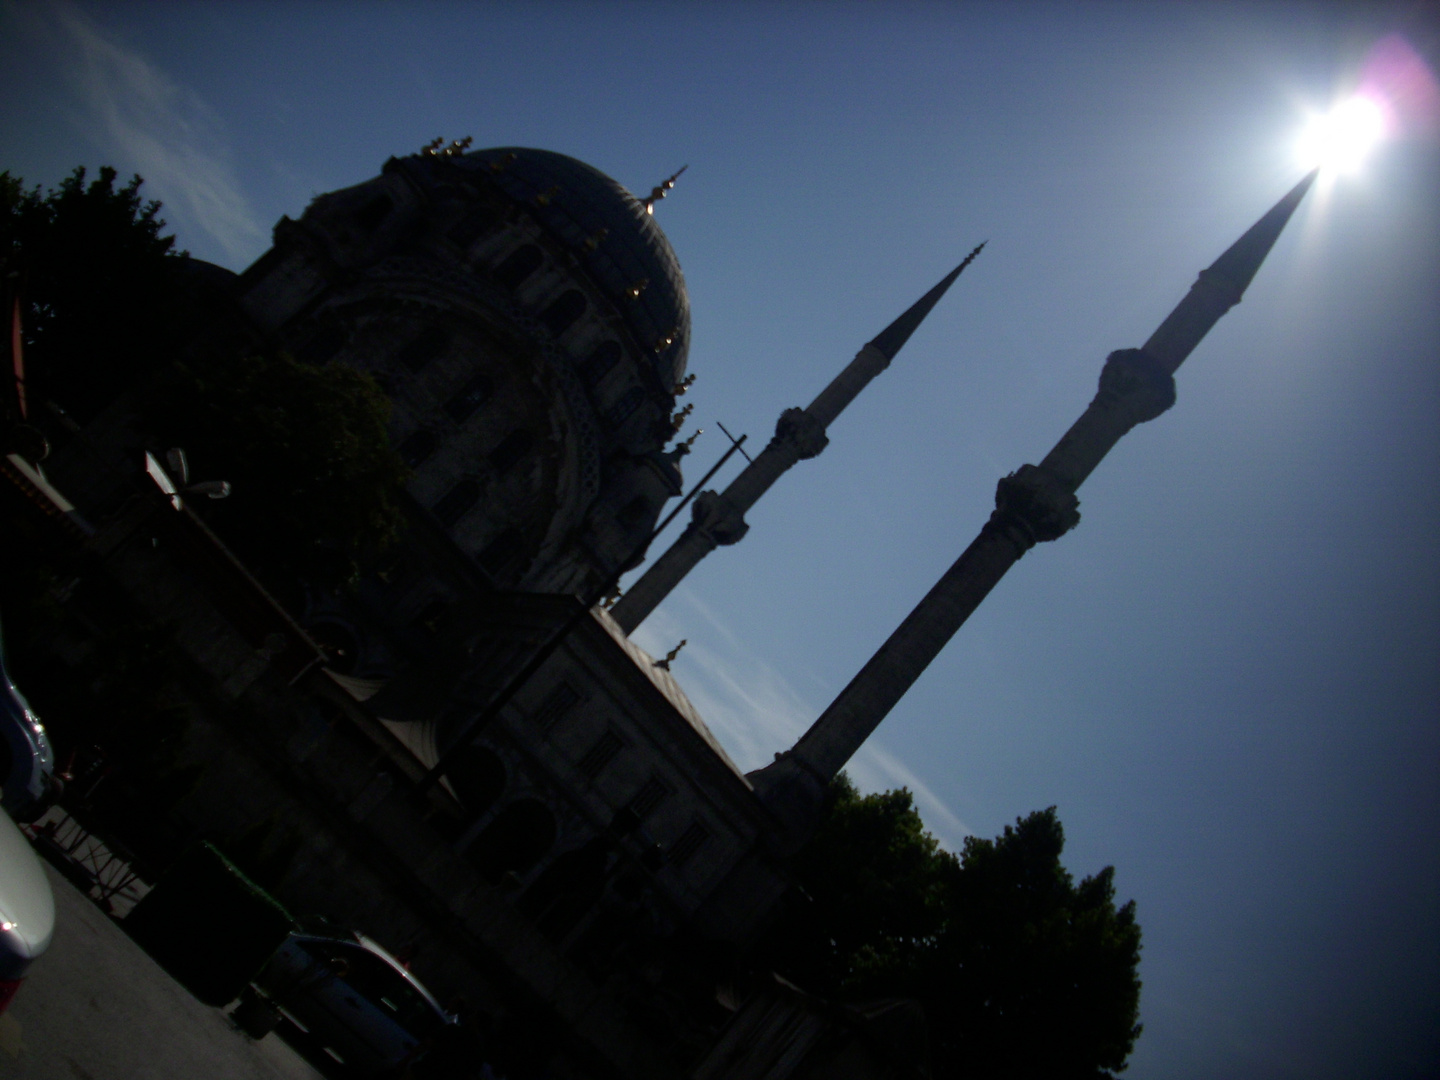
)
(613, 237)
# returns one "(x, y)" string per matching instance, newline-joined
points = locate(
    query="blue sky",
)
(1226, 677)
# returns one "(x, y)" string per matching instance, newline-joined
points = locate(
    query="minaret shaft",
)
(720, 519)
(799, 434)
(1033, 504)
(886, 677)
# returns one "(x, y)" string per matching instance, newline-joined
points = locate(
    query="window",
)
(468, 398)
(561, 700)
(567, 888)
(416, 447)
(501, 552)
(465, 231)
(369, 216)
(598, 364)
(457, 502)
(601, 754)
(511, 450)
(561, 314)
(426, 347)
(691, 841)
(518, 265)
(634, 512)
(477, 776)
(621, 410)
(651, 794)
(515, 841)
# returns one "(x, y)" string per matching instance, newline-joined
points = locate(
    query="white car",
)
(348, 997)
(27, 908)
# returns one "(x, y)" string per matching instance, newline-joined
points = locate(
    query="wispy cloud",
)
(755, 711)
(147, 123)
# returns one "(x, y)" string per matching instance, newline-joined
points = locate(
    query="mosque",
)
(529, 322)
(471, 754)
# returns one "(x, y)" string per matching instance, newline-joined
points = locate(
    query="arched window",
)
(598, 364)
(430, 343)
(518, 265)
(417, 446)
(477, 776)
(511, 450)
(515, 841)
(567, 888)
(563, 312)
(323, 346)
(500, 552)
(468, 398)
(431, 615)
(457, 501)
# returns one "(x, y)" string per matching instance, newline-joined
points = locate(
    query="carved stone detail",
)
(1031, 506)
(798, 429)
(715, 516)
(1134, 385)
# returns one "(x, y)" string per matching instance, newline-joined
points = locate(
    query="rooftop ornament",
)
(660, 190)
(664, 665)
(436, 147)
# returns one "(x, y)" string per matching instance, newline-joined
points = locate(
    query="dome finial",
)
(684, 448)
(434, 147)
(660, 190)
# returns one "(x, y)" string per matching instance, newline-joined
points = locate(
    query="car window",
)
(379, 983)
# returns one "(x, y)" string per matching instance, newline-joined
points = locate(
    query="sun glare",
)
(1339, 140)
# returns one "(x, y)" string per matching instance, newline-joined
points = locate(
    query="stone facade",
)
(591, 850)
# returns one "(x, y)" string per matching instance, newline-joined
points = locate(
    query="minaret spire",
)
(1033, 504)
(799, 434)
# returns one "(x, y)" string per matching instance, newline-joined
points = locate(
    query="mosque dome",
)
(529, 324)
(614, 238)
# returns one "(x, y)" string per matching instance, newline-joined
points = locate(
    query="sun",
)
(1340, 140)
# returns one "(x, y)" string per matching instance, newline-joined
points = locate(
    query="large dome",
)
(615, 240)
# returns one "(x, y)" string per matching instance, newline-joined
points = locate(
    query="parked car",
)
(27, 762)
(348, 998)
(27, 909)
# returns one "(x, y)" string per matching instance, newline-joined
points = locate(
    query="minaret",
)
(1035, 503)
(800, 433)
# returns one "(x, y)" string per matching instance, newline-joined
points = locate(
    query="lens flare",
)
(1340, 140)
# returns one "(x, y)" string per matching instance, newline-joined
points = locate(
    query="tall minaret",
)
(1035, 503)
(800, 433)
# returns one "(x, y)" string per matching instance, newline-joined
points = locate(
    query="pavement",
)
(96, 1007)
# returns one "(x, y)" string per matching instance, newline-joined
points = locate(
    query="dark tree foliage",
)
(316, 481)
(874, 882)
(97, 277)
(1022, 973)
(110, 307)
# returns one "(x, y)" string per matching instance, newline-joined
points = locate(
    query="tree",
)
(111, 307)
(316, 481)
(1030, 974)
(98, 278)
(1020, 971)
